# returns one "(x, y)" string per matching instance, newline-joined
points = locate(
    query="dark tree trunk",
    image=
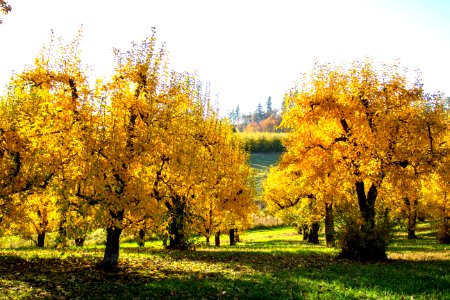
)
(313, 237)
(412, 217)
(236, 236)
(367, 205)
(329, 225)
(79, 242)
(217, 239)
(364, 242)
(232, 240)
(141, 241)
(62, 237)
(444, 231)
(207, 235)
(41, 239)
(305, 233)
(177, 238)
(111, 257)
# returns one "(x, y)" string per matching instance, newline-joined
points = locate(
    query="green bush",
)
(365, 244)
(444, 233)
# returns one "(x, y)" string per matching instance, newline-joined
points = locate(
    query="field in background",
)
(257, 142)
(272, 263)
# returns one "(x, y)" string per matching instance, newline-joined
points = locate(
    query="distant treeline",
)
(263, 142)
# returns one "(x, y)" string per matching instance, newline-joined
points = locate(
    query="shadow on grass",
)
(232, 274)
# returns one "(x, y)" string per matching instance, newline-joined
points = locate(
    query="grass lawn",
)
(269, 264)
(262, 161)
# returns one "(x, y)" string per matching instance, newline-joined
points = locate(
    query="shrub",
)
(366, 244)
(444, 233)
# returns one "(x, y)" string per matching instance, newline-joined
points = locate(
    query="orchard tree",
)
(301, 200)
(52, 118)
(5, 8)
(358, 126)
(227, 199)
(436, 191)
(35, 216)
(140, 150)
(203, 179)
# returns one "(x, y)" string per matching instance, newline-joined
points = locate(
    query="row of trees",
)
(364, 148)
(259, 121)
(143, 151)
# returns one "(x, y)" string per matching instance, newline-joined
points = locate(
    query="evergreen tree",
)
(269, 106)
(259, 113)
(237, 113)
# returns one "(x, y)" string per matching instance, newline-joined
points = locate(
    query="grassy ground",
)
(262, 161)
(269, 264)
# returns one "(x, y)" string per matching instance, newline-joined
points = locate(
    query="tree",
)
(227, 196)
(259, 113)
(5, 8)
(437, 192)
(145, 149)
(358, 126)
(269, 109)
(294, 198)
(36, 216)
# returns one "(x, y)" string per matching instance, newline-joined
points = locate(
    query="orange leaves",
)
(358, 124)
(126, 147)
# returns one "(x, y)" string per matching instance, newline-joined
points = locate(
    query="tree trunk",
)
(412, 217)
(207, 240)
(79, 242)
(367, 205)
(365, 242)
(444, 231)
(62, 234)
(305, 233)
(41, 239)
(236, 235)
(217, 239)
(329, 225)
(141, 241)
(232, 240)
(111, 257)
(177, 238)
(313, 237)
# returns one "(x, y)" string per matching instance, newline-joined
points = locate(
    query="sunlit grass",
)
(273, 263)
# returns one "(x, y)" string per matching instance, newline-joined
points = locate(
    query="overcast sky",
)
(247, 50)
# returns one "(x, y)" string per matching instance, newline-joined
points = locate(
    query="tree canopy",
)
(352, 132)
(144, 150)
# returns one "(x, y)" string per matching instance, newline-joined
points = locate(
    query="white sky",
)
(247, 50)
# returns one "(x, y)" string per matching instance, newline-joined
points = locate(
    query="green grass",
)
(262, 161)
(272, 263)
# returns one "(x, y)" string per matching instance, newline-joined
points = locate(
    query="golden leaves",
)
(356, 123)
